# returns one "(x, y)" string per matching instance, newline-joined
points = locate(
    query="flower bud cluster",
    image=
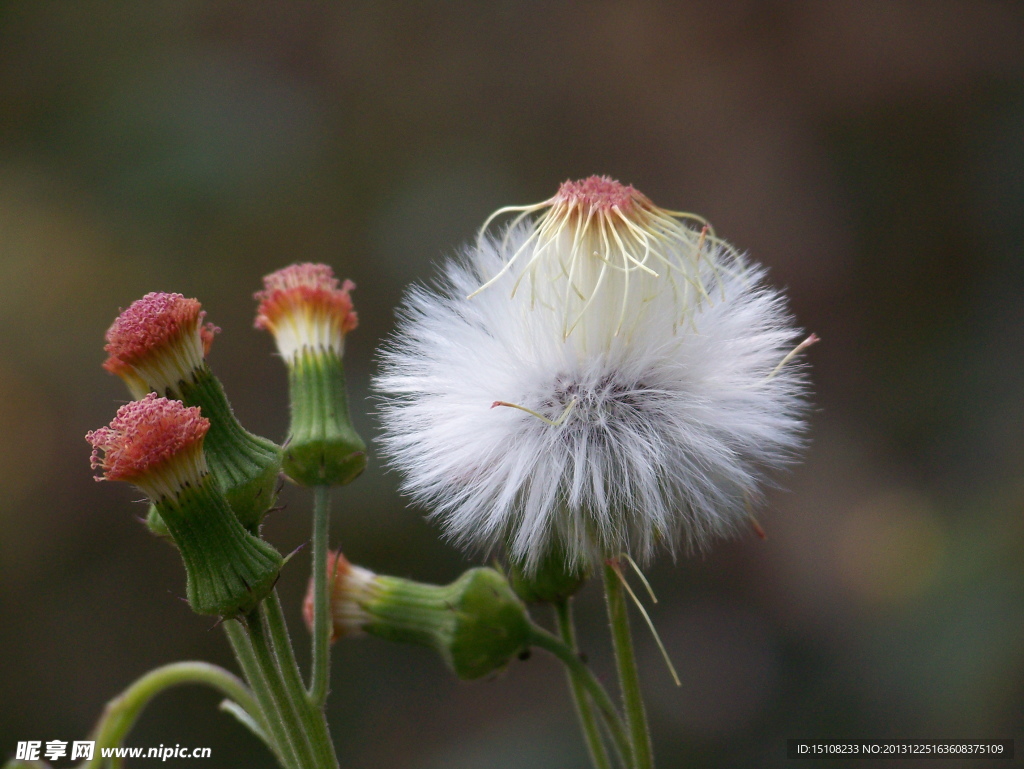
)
(209, 480)
(159, 344)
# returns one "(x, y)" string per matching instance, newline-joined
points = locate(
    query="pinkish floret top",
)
(150, 326)
(144, 436)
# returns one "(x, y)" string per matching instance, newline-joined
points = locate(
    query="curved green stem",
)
(321, 672)
(584, 710)
(123, 711)
(542, 639)
(625, 660)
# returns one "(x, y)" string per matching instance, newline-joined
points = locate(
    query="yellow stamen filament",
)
(812, 339)
(647, 618)
(524, 212)
(640, 574)
(541, 417)
(618, 237)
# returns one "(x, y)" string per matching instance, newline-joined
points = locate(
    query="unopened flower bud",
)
(157, 445)
(553, 580)
(477, 624)
(159, 344)
(309, 316)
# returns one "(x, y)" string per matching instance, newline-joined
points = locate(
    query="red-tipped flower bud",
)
(154, 443)
(344, 583)
(157, 445)
(159, 341)
(304, 308)
(309, 314)
(477, 624)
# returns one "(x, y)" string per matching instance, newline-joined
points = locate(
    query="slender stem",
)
(284, 708)
(274, 616)
(625, 660)
(584, 710)
(266, 716)
(123, 711)
(321, 672)
(311, 714)
(542, 639)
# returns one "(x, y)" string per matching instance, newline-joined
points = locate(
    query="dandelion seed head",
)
(648, 406)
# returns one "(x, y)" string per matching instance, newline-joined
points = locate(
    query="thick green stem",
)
(321, 672)
(271, 723)
(542, 639)
(284, 709)
(310, 714)
(123, 711)
(625, 660)
(591, 732)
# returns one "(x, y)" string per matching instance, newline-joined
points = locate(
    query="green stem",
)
(625, 660)
(321, 672)
(542, 639)
(310, 713)
(591, 733)
(271, 724)
(284, 708)
(123, 711)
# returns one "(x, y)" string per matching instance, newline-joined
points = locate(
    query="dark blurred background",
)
(870, 153)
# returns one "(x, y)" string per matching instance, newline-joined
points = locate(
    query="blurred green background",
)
(870, 153)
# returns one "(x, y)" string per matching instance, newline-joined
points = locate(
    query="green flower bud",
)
(477, 624)
(157, 444)
(229, 570)
(309, 316)
(322, 445)
(553, 579)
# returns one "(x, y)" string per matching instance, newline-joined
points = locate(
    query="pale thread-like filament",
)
(754, 523)
(541, 417)
(617, 568)
(812, 339)
(524, 212)
(625, 237)
(643, 578)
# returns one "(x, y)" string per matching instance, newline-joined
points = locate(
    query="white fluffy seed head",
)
(647, 410)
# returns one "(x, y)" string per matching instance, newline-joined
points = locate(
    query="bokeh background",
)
(870, 153)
